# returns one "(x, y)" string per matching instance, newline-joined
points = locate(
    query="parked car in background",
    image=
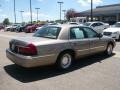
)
(1, 27)
(73, 23)
(14, 27)
(8, 28)
(58, 44)
(32, 28)
(46, 25)
(97, 26)
(19, 28)
(113, 31)
(23, 27)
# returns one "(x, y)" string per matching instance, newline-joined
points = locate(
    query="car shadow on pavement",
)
(40, 73)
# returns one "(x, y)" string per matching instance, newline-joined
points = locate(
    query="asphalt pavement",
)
(97, 72)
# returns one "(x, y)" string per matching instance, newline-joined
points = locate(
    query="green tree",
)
(6, 22)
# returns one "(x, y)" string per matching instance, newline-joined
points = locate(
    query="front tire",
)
(119, 38)
(64, 61)
(109, 49)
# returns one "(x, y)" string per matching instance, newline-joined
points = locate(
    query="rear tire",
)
(64, 61)
(109, 50)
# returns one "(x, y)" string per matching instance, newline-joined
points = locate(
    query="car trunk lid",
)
(23, 42)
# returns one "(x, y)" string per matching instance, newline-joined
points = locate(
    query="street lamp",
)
(64, 11)
(21, 15)
(31, 11)
(91, 10)
(14, 11)
(60, 9)
(37, 13)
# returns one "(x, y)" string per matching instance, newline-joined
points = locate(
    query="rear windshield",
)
(48, 32)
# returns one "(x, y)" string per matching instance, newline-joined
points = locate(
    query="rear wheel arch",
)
(70, 51)
(60, 62)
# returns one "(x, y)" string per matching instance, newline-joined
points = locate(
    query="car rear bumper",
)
(29, 61)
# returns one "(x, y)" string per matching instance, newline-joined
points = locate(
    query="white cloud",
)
(3, 16)
(26, 14)
(41, 16)
(87, 2)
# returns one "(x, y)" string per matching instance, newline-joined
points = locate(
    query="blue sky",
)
(49, 9)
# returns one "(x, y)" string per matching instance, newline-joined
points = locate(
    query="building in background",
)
(108, 13)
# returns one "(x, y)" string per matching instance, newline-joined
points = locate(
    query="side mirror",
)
(100, 35)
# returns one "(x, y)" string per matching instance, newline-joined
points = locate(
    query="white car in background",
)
(97, 26)
(73, 23)
(113, 31)
(8, 28)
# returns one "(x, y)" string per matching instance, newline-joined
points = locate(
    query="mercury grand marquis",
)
(58, 44)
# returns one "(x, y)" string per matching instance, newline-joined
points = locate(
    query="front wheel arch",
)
(106, 51)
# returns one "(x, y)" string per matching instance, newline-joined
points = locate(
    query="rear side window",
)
(76, 33)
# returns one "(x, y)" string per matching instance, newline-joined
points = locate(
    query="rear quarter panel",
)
(53, 48)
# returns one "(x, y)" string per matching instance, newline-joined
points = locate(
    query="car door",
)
(79, 41)
(97, 44)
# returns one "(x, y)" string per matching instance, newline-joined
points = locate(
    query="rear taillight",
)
(30, 49)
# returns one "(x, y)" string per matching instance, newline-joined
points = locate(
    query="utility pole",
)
(21, 15)
(64, 11)
(31, 11)
(37, 13)
(91, 10)
(60, 8)
(15, 11)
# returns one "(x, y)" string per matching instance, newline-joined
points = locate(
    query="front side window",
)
(76, 33)
(48, 32)
(90, 33)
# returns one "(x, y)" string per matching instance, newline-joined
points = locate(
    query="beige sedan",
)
(59, 44)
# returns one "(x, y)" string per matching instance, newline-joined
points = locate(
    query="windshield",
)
(87, 24)
(117, 25)
(48, 32)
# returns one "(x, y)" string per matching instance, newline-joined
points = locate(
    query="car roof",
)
(66, 25)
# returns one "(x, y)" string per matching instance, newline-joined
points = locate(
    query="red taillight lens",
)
(30, 49)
